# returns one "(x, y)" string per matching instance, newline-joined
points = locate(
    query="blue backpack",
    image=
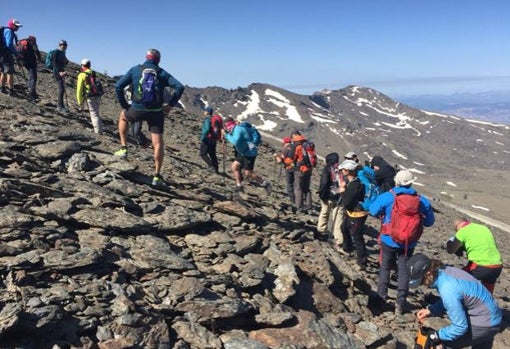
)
(148, 92)
(367, 176)
(256, 138)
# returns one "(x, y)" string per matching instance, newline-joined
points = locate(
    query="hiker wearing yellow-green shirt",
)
(484, 258)
(89, 89)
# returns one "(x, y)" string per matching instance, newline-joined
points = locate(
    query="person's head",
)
(85, 62)
(348, 167)
(32, 40)
(229, 124)
(208, 111)
(422, 270)
(286, 140)
(351, 156)
(153, 55)
(404, 178)
(460, 222)
(14, 24)
(332, 159)
(62, 45)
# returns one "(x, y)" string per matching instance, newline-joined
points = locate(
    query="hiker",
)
(245, 154)
(474, 315)
(135, 128)
(58, 64)
(396, 253)
(211, 134)
(7, 54)
(87, 90)
(30, 54)
(148, 82)
(353, 194)
(302, 174)
(484, 258)
(384, 173)
(329, 194)
(284, 158)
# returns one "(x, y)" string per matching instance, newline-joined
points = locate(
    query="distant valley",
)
(491, 106)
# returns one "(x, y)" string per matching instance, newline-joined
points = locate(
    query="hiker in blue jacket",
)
(7, 56)
(472, 310)
(391, 252)
(208, 138)
(58, 63)
(245, 152)
(151, 110)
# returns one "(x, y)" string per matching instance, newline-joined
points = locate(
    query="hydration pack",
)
(148, 91)
(48, 62)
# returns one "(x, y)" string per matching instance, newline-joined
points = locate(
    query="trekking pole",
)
(223, 155)
(279, 176)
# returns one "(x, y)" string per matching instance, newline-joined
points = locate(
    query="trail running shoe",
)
(122, 153)
(156, 180)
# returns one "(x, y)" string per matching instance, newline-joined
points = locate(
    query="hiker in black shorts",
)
(147, 104)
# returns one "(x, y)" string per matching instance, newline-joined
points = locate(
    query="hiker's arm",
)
(454, 246)
(9, 39)
(124, 81)
(80, 89)
(178, 89)
(206, 127)
(427, 211)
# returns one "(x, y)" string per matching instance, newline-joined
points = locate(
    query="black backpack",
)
(3, 46)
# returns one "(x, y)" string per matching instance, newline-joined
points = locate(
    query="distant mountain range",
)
(363, 120)
(490, 106)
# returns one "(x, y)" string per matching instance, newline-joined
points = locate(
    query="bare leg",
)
(123, 128)
(158, 144)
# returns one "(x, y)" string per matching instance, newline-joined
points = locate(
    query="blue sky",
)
(397, 47)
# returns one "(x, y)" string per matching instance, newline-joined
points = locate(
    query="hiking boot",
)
(239, 189)
(157, 181)
(121, 153)
(4, 89)
(62, 110)
(268, 187)
(11, 93)
(402, 308)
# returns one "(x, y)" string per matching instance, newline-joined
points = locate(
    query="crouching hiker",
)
(472, 310)
(484, 258)
(245, 139)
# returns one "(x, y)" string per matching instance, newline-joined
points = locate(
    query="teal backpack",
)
(48, 62)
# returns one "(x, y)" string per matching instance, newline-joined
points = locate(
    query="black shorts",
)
(7, 63)
(247, 163)
(155, 119)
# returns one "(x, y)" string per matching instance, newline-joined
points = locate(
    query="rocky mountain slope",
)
(93, 256)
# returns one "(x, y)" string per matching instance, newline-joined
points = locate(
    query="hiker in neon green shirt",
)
(484, 259)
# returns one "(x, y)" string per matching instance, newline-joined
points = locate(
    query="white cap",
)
(350, 155)
(404, 177)
(348, 165)
(85, 61)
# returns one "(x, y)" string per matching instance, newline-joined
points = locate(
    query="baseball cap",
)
(417, 266)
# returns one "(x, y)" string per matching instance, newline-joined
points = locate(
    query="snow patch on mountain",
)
(282, 102)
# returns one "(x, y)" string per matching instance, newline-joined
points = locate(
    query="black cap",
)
(417, 266)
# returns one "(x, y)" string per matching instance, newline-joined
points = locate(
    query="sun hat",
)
(350, 155)
(286, 140)
(404, 177)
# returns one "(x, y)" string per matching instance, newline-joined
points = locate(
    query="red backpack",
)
(216, 127)
(406, 225)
